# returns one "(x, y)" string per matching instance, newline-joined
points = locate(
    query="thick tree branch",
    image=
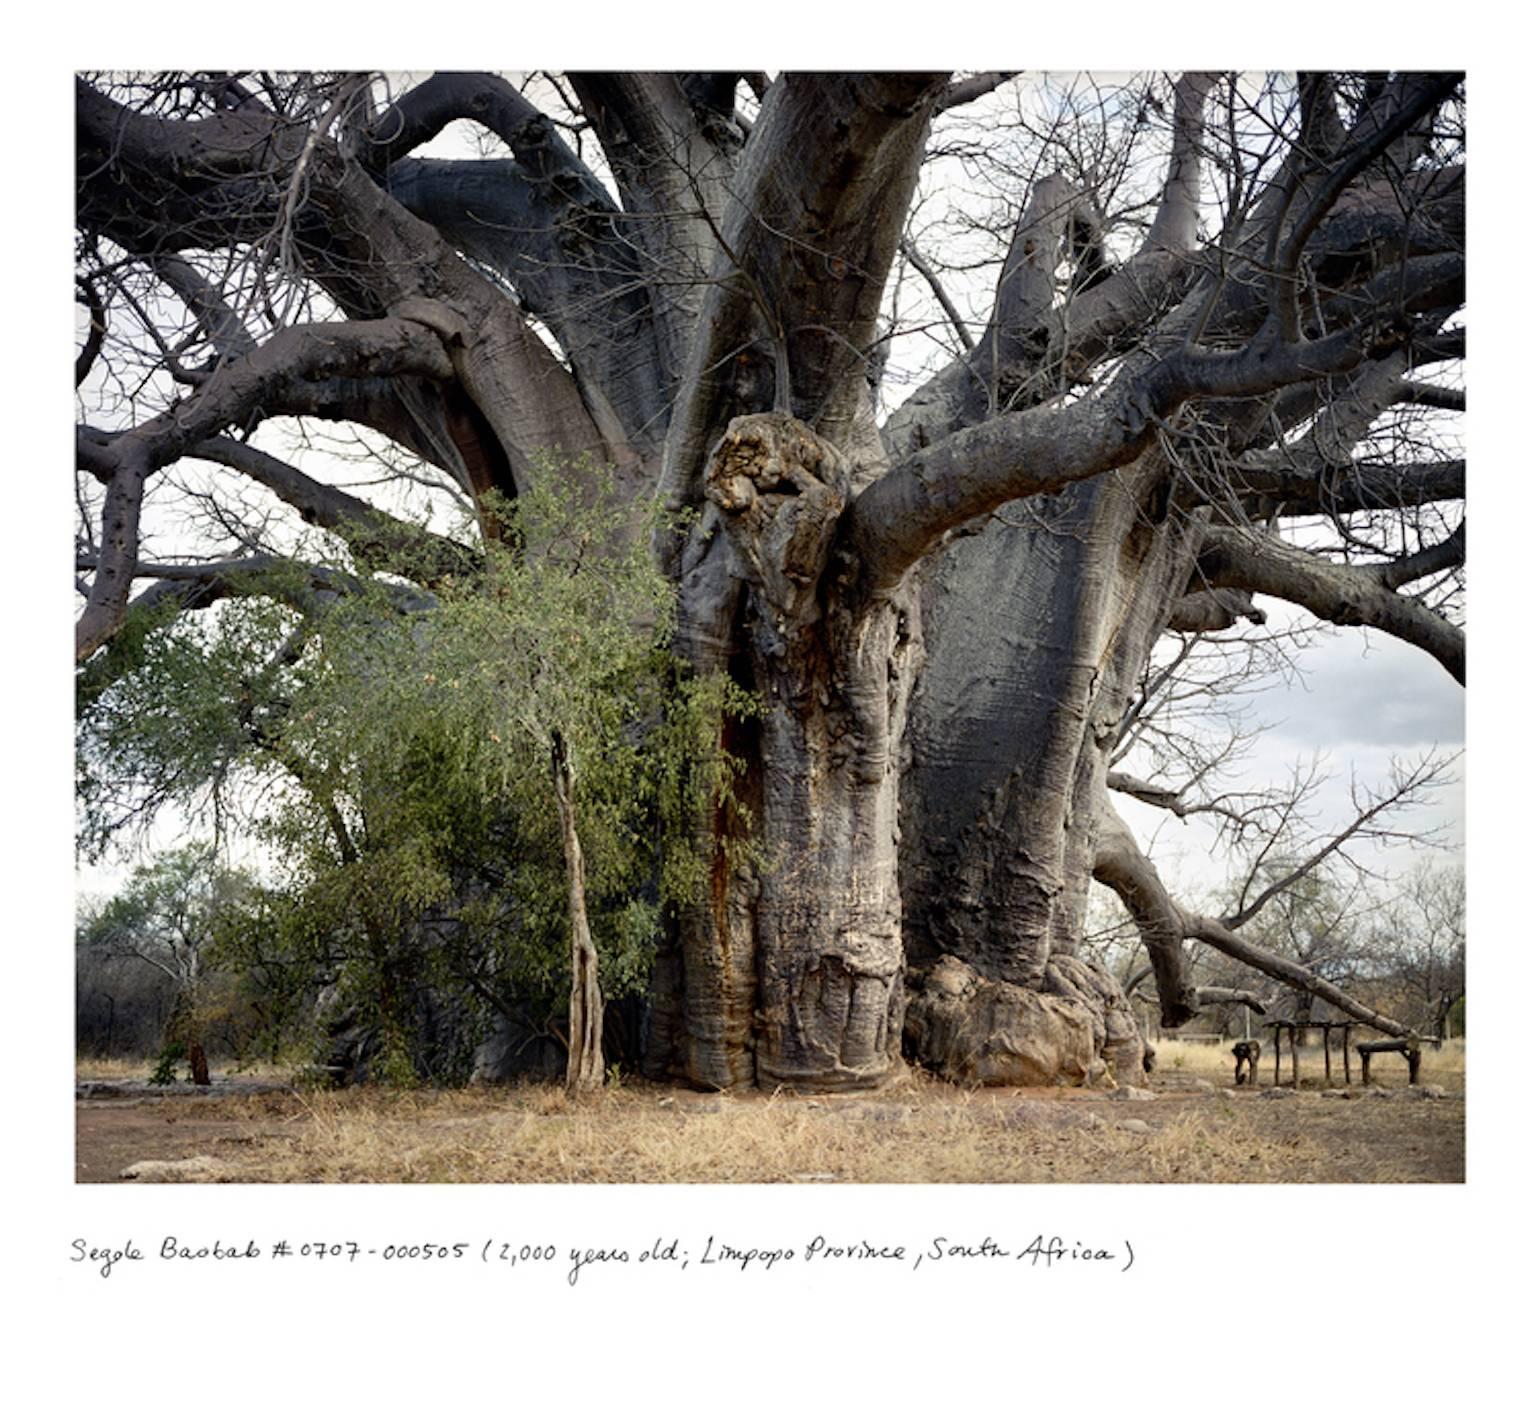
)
(1120, 864)
(1164, 924)
(1218, 937)
(1376, 131)
(1176, 226)
(673, 161)
(1444, 556)
(1216, 609)
(1035, 345)
(368, 252)
(226, 398)
(378, 540)
(1210, 996)
(968, 90)
(484, 98)
(899, 518)
(1355, 486)
(224, 329)
(821, 200)
(288, 361)
(1439, 398)
(559, 242)
(1344, 595)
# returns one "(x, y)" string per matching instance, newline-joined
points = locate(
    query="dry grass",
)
(139, 1069)
(922, 1131)
(919, 1131)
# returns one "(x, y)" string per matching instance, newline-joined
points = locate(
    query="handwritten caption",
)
(577, 1264)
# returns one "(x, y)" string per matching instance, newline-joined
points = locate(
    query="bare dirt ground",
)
(1193, 1128)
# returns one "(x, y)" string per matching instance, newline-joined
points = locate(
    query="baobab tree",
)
(1183, 394)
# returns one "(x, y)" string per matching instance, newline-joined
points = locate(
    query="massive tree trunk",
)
(1038, 626)
(792, 969)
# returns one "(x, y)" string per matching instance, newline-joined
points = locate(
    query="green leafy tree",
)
(468, 794)
(168, 917)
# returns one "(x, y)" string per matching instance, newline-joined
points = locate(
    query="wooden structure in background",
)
(1291, 1027)
(1408, 1046)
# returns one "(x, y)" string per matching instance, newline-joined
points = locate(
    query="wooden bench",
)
(1408, 1046)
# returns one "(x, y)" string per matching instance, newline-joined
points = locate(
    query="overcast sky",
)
(1359, 701)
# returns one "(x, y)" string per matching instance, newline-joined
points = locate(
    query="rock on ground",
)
(200, 1169)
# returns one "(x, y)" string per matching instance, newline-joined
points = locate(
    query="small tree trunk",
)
(584, 1062)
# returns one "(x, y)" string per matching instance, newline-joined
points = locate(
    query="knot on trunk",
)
(1214, 609)
(448, 323)
(780, 489)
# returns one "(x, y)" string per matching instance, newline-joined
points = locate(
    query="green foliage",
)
(402, 761)
(179, 722)
(169, 908)
(164, 1073)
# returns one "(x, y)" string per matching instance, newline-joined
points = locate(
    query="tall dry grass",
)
(922, 1132)
(140, 1068)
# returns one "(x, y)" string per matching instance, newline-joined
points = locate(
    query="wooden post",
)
(1327, 1058)
(1277, 1054)
(1413, 1055)
(1365, 1066)
(1346, 1054)
(1295, 1069)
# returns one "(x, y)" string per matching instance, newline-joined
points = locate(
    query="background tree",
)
(168, 917)
(1419, 941)
(1209, 366)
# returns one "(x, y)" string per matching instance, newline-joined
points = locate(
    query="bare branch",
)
(930, 275)
(377, 539)
(294, 355)
(223, 327)
(96, 333)
(1164, 924)
(1407, 788)
(1210, 996)
(1218, 937)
